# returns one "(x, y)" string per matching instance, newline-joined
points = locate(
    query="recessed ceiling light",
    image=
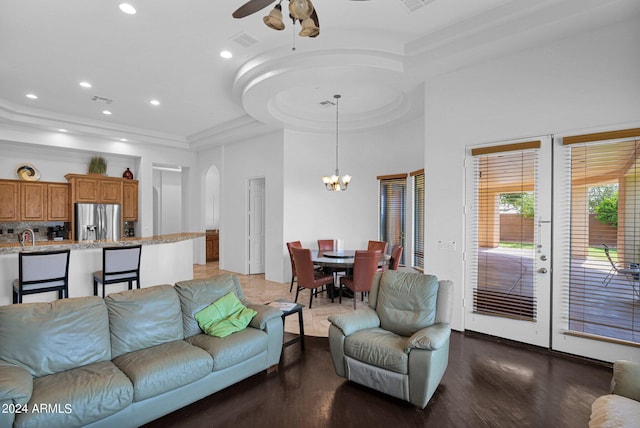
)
(226, 54)
(107, 112)
(85, 84)
(62, 130)
(124, 140)
(32, 96)
(127, 8)
(154, 102)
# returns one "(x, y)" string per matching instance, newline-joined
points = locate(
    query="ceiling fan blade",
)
(252, 6)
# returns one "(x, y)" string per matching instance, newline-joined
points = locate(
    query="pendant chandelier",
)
(335, 183)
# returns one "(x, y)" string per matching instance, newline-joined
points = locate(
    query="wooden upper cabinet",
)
(95, 189)
(130, 200)
(33, 200)
(9, 200)
(58, 202)
(110, 191)
(85, 189)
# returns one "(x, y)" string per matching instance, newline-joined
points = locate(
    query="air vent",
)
(245, 40)
(414, 5)
(101, 99)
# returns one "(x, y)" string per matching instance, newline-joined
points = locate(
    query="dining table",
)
(341, 259)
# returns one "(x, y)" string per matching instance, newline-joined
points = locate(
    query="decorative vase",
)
(127, 174)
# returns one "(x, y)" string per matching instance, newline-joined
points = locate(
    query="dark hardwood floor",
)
(488, 383)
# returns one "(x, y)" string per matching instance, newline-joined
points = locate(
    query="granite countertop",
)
(15, 247)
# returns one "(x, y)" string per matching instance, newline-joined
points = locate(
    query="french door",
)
(508, 248)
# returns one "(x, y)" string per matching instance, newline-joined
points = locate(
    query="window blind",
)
(503, 234)
(393, 190)
(602, 294)
(418, 218)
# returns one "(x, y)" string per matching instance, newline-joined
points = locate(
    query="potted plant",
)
(97, 165)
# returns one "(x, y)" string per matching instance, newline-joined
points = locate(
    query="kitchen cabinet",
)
(58, 203)
(130, 200)
(212, 245)
(9, 200)
(33, 200)
(95, 189)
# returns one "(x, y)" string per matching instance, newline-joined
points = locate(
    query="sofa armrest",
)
(429, 338)
(626, 379)
(264, 314)
(16, 383)
(351, 322)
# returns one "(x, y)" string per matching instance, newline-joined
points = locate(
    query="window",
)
(418, 218)
(603, 290)
(393, 190)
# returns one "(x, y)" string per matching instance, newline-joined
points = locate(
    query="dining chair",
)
(119, 264)
(307, 276)
(396, 253)
(296, 244)
(326, 245)
(40, 272)
(365, 265)
(378, 245)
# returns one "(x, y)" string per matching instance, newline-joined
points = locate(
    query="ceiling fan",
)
(299, 10)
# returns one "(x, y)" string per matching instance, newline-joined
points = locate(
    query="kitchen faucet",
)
(24, 234)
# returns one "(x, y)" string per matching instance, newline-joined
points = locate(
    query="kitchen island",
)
(165, 259)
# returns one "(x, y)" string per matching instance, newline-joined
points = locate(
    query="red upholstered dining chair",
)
(325, 245)
(307, 276)
(365, 266)
(396, 253)
(296, 244)
(378, 245)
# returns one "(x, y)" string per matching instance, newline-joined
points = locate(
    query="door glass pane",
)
(418, 219)
(505, 235)
(393, 211)
(604, 296)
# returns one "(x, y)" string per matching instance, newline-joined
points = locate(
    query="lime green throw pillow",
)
(224, 316)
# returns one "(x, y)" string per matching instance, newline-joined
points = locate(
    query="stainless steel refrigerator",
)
(97, 221)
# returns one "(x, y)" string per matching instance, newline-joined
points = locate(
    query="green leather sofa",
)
(399, 344)
(127, 359)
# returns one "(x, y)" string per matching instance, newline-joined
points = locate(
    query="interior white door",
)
(508, 279)
(256, 225)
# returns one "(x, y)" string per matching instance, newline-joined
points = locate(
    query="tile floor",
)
(259, 290)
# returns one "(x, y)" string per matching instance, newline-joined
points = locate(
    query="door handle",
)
(543, 270)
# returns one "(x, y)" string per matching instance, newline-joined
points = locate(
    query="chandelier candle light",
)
(335, 183)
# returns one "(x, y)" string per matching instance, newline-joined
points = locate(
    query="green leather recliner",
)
(399, 344)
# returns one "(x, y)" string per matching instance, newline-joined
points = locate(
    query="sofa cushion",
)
(613, 411)
(47, 338)
(378, 347)
(406, 302)
(233, 349)
(77, 397)
(164, 367)
(199, 293)
(143, 318)
(224, 316)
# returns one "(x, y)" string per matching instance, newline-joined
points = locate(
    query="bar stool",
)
(119, 264)
(40, 272)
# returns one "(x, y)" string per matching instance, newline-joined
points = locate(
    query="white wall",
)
(586, 81)
(253, 158)
(311, 212)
